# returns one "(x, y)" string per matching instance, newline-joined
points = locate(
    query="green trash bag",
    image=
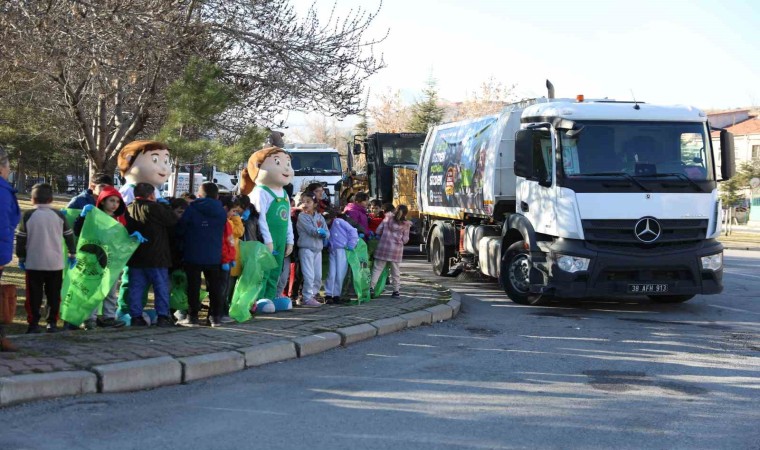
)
(103, 250)
(381, 281)
(178, 295)
(257, 262)
(371, 247)
(358, 261)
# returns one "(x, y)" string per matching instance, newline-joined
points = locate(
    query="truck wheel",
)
(440, 254)
(515, 276)
(670, 298)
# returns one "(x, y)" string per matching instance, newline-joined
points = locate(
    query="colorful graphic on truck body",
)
(457, 165)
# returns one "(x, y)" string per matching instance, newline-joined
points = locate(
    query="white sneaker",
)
(312, 302)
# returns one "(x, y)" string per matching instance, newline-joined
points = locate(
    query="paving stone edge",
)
(15, 389)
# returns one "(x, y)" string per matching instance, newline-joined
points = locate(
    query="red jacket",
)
(228, 244)
(374, 222)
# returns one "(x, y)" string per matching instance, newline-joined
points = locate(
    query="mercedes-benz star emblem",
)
(647, 230)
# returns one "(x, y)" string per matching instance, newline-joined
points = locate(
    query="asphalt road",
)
(590, 374)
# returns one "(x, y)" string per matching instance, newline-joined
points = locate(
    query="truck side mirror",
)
(357, 149)
(727, 162)
(524, 153)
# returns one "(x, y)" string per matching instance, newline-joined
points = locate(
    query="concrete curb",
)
(209, 365)
(37, 386)
(138, 375)
(356, 333)
(417, 318)
(441, 312)
(269, 353)
(166, 370)
(733, 246)
(389, 325)
(316, 343)
(455, 303)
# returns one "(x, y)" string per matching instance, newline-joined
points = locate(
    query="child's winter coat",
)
(393, 236)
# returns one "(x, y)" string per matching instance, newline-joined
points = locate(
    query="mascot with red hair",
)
(267, 173)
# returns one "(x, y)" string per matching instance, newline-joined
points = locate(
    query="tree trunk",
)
(176, 177)
(20, 175)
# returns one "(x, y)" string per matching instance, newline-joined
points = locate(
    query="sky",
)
(703, 53)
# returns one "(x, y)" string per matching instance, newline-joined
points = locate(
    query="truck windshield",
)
(398, 151)
(644, 150)
(316, 163)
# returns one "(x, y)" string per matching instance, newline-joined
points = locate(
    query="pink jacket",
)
(358, 214)
(393, 236)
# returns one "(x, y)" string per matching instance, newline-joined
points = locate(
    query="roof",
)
(726, 111)
(749, 126)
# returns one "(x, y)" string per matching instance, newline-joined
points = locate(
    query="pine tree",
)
(426, 113)
(361, 130)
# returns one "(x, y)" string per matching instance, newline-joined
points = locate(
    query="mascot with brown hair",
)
(140, 162)
(143, 162)
(263, 180)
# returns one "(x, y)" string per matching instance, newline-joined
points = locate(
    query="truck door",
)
(536, 196)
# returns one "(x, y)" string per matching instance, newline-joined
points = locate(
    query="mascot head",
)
(267, 167)
(145, 162)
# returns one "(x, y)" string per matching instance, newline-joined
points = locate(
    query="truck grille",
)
(674, 232)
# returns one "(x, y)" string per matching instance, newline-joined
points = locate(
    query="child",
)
(312, 232)
(39, 247)
(356, 213)
(375, 214)
(323, 201)
(233, 231)
(201, 229)
(291, 281)
(151, 261)
(394, 233)
(343, 237)
(110, 202)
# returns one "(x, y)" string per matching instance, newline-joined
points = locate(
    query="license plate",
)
(647, 288)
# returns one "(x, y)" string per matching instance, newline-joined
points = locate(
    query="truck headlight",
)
(712, 262)
(572, 264)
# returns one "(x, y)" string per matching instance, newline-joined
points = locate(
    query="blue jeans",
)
(139, 280)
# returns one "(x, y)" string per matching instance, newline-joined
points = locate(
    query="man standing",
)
(10, 214)
(200, 230)
(90, 196)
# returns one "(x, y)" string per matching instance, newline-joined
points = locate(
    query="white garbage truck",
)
(572, 198)
(316, 163)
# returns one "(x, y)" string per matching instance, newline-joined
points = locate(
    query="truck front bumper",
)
(614, 272)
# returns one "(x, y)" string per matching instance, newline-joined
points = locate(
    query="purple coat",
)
(393, 236)
(342, 234)
(358, 214)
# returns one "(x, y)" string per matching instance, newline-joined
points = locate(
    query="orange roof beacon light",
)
(579, 98)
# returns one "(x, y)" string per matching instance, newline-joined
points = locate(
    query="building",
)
(745, 126)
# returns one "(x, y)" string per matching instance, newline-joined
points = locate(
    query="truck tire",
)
(670, 298)
(515, 276)
(440, 254)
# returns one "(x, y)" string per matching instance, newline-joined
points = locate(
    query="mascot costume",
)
(143, 162)
(267, 173)
(140, 162)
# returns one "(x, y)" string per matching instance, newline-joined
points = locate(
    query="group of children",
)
(198, 237)
(318, 230)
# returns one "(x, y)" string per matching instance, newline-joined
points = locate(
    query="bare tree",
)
(490, 98)
(390, 113)
(106, 64)
(325, 130)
